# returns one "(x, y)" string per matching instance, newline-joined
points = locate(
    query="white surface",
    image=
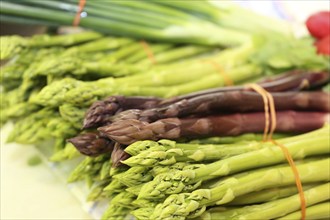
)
(33, 192)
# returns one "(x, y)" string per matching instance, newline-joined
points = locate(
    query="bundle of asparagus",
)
(206, 113)
(172, 180)
(96, 66)
(35, 95)
(159, 169)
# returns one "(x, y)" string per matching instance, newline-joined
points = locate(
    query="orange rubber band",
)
(272, 115)
(269, 100)
(76, 20)
(148, 51)
(297, 178)
(219, 68)
(264, 96)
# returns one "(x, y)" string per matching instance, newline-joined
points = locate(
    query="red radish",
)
(323, 46)
(318, 24)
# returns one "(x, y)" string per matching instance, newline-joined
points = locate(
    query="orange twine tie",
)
(270, 118)
(81, 6)
(148, 51)
(228, 81)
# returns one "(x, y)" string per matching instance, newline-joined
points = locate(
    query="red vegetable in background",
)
(323, 45)
(318, 24)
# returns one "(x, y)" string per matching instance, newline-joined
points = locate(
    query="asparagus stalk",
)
(142, 213)
(60, 128)
(63, 40)
(150, 56)
(88, 167)
(290, 81)
(52, 96)
(102, 110)
(97, 192)
(115, 212)
(134, 176)
(176, 54)
(115, 186)
(268, 195)
(156, 170)
(281, 207)
(67, 153)
(19, 110)
(136, 190)
(89, 92)
(11, 45)
(187, 180)
(194, 204)
(72, 114)
(285, 82)
(118, 155)
(235, 101)
(235, 139)
(140, 146)
(101, 44)
(124, 199)
(131, 130)
(89, 143)
(31, 129)
(317, 211)
(204, 153)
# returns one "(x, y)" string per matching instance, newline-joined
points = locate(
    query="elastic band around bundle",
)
(81, 7)
(148, 51)
(228, 81)
(270, 118)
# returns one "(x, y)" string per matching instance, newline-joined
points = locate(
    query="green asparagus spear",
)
(31, 129)
(62, 40)
(101, 44)
(163, 156)
(115, 186)
(175, 182)
(97, 192)
(142, 213)
(177, 166)
(88, 167)
(268, 195)
(281, 207)
(11, 45)
(195, 203)
(115, 212)
(53, 96)
(68, 152)
(318, 211)
(134, 176)
(235, 139)
(19, 110)
(124, 199)
(72, 114)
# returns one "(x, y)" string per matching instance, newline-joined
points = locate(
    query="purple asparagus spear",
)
(131, 130)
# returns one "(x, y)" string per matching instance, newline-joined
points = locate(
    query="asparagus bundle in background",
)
(42, 85)
(91, 66)
(44, 60)
(197, 115)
